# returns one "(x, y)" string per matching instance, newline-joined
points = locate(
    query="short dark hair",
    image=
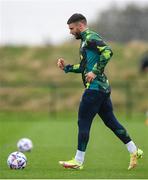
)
(77, 18)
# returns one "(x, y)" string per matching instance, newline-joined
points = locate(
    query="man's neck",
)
(84, 29)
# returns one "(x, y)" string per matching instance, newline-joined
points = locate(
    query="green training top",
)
(94, 55)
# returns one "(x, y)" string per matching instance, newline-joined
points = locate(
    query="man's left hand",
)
(90, 77)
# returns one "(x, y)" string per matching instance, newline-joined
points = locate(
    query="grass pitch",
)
(55, 138)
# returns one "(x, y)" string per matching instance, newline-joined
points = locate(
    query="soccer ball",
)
(24, 145)
(17, 160)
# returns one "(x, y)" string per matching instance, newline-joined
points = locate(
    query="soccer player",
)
(94, 56)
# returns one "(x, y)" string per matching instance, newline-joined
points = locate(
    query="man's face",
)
(75, 30)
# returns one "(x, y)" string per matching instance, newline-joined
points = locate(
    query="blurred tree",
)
(123, 25)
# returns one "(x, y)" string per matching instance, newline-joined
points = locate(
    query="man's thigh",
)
(106, 105)
(90, 104)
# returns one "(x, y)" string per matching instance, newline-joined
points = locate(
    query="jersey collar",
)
(84, 34)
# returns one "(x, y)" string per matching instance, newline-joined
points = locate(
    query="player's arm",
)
(72, 68)
(105, 53)
(68, 68)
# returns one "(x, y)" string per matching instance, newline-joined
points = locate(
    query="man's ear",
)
(80, 25)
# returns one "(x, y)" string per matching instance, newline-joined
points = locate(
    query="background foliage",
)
(123, 25)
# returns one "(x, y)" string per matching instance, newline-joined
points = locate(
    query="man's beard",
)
(77, 35)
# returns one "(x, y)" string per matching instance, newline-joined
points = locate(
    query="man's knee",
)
(107, 118)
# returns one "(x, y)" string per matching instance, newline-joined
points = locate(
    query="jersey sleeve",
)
(104, 52)
(73, 68)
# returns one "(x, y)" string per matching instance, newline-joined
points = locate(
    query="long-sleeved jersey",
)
(94, 55)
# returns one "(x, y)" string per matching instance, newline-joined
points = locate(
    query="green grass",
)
(55, 138)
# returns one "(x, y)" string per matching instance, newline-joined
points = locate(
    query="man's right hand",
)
(61, 63)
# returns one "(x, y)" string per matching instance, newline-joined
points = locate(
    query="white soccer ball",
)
(24, 145)
(17, 160)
